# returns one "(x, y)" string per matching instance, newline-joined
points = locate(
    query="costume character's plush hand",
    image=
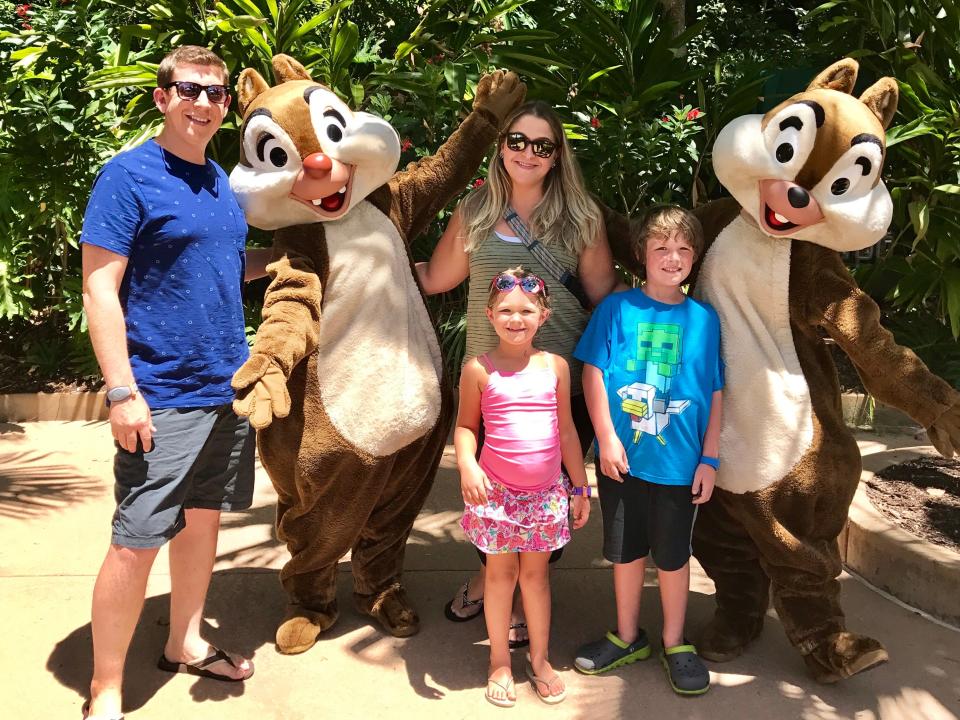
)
(944, 432)
(261, 389)
(498, 93)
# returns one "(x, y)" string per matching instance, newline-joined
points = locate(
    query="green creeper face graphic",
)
(659, 344)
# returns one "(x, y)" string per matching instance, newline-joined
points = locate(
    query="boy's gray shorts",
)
(201, 458)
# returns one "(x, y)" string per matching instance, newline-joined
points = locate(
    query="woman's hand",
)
(581, 511)
(474, 484)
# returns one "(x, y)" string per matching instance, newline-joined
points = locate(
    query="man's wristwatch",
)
(121, 393)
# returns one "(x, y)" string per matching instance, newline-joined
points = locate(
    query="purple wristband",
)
(585, 491)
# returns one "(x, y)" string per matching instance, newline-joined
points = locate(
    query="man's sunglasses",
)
(542, 147)
(530, 284)
(187, 90)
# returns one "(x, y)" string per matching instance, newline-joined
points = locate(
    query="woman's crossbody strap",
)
(566, 278)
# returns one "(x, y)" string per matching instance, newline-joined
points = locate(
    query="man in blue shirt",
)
(163, 266)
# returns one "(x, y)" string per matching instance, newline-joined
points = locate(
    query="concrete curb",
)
(29, 407)
(921, 574)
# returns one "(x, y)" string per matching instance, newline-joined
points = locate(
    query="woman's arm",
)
(450, 264)
(473, 481)
(570, 451)
(595, 268)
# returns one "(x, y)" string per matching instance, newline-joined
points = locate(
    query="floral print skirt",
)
(512, 521)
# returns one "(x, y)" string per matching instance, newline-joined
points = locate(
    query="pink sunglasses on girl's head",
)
(530, 284)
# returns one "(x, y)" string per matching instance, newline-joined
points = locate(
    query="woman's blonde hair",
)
(566, 215)
(542, 298)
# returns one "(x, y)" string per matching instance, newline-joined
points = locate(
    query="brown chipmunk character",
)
(345, 381)
(805, 179)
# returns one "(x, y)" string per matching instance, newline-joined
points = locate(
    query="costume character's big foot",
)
(844, 654)
(302, 626)
(726, 637)
(392, 609)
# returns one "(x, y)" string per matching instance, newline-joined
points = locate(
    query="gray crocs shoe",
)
(611, 652)
(685, 670)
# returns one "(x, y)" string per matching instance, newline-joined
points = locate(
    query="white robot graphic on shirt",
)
(648, 403)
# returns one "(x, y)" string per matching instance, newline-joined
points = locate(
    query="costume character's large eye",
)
(791, 133)
(266, 146)
(329, 115)
(269, 149)
(335, 124)
(853, 174)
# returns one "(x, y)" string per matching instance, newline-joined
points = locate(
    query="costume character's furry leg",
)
(378, 554)
(731, 559)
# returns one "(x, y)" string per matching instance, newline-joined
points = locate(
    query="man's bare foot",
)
(209, 662)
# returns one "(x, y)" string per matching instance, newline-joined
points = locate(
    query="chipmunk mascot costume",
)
(345, 382)
(805, 180)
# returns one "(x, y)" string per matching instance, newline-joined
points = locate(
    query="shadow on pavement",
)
(34, 483)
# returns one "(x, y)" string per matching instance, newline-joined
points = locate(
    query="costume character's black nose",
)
(798, 197)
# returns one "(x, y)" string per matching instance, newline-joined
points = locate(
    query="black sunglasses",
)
(187, 90)
(542, 147)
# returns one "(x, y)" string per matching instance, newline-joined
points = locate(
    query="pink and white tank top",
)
(521, 446)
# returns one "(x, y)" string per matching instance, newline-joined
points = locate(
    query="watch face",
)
(118, 393)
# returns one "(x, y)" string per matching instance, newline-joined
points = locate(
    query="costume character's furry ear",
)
(285, 68)
(250, 84)
(882, 98)
(840, 76)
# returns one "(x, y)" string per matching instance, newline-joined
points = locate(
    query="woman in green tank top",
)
(535, 172)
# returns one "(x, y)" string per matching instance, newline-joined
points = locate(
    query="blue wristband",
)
(711, 461)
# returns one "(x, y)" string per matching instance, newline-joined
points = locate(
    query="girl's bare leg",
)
(500, 582)
(535, 589)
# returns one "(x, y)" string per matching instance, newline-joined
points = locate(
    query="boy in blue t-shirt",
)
(652, 378)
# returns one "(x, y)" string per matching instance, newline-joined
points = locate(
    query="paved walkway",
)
(55, 507)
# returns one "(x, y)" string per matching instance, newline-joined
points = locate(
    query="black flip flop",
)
(522, 642)
(465, 602)
(199, 668)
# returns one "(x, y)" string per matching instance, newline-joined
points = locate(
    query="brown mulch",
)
(921, 496)
(17, 377)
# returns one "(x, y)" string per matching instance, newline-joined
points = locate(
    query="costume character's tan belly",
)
(378, 361)
(767, 413)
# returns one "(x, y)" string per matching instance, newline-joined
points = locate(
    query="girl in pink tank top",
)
(516, 497)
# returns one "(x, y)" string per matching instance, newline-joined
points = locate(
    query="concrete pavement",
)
(55, 506)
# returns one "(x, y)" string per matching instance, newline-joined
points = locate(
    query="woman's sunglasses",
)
(187, 90)
(530, 284)
(542, 147)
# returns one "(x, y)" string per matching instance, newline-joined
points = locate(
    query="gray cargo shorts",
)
(201, 458)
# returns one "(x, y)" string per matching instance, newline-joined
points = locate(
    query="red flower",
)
(665, 119)
(406, 145)
(27, 26)
(478, 182)
(595, 122)
(22, 10)
(694, 114)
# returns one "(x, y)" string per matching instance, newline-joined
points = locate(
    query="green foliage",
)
(642, 102)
